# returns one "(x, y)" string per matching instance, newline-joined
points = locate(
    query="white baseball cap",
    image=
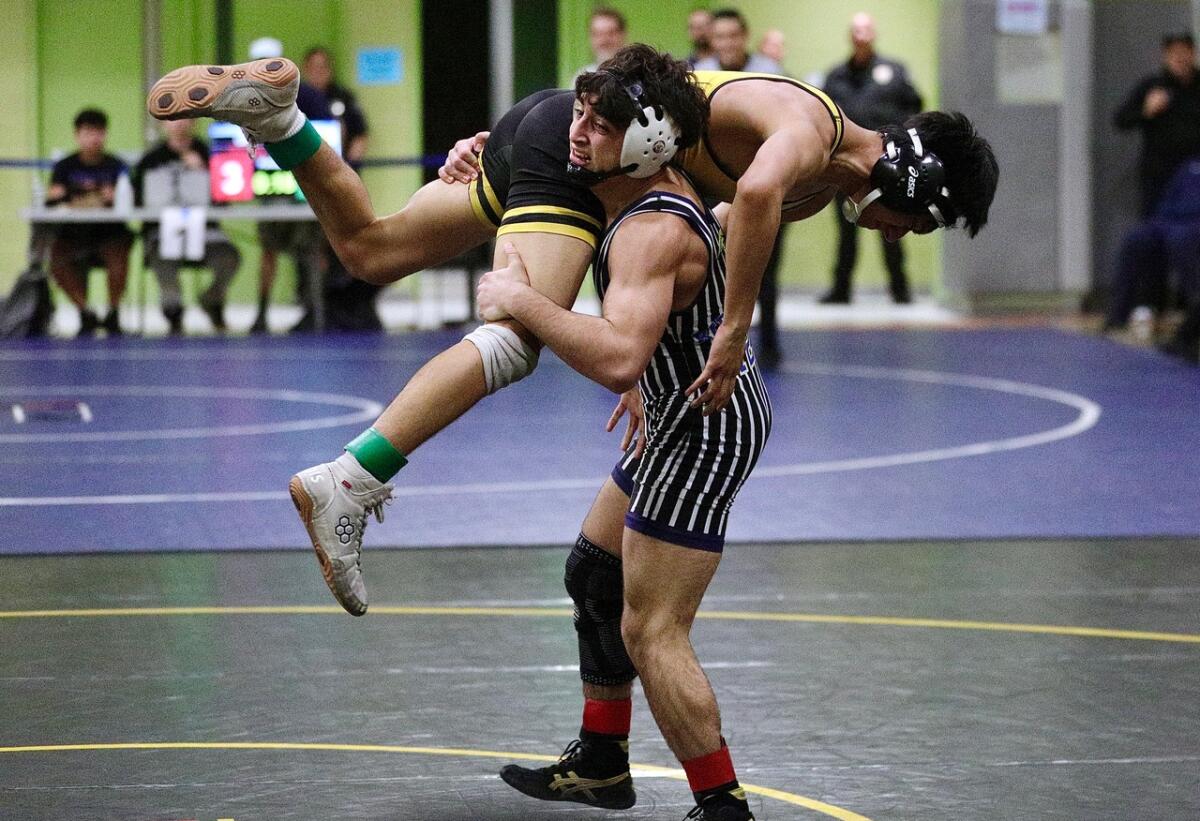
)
(265, 47)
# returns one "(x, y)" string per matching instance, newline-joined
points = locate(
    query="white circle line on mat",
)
(1088, 416)
(362, 410)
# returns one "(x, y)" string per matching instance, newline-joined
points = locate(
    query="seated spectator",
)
(182, 150)
(88, 179)
(1167, 240)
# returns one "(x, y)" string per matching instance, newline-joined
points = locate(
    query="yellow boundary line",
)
(666, 772)
(545, 612)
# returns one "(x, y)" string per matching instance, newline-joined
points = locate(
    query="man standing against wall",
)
(606, 35)
(729, 35)
(1166, 108)
(699, 23)
(873, 92)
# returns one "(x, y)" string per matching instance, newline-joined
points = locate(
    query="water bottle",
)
(39, 189)
(1141, 323)
(123, 196)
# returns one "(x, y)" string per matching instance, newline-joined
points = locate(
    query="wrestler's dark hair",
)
(971, 168)
(665, 82)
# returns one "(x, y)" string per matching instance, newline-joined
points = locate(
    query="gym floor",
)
(962, 584)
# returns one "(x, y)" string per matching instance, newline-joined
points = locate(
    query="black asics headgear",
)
(909, 180)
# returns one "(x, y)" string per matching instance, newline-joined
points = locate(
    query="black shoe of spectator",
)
(112, 323)
(1188, 352)
(306, 325)
(89, 323)
(260, 323)
(902, 298)
(834, 298)
(174, 318)
(216, 313)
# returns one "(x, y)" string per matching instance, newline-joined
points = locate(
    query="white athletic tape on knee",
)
(506, 357)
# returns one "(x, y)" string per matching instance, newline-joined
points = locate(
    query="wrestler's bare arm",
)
(646, 256)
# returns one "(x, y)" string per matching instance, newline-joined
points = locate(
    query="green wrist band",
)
(376, 454)
(297, 148)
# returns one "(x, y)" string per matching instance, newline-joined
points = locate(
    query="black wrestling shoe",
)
(586, 773)
(726, 806)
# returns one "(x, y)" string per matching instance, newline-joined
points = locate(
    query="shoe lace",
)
(252, 143)
(378, 506)
(573, 751)
(375, 508)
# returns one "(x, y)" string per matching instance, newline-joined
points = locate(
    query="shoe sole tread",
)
(304, 506)
(190, 91)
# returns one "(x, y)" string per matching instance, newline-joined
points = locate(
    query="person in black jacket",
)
(873, 92)
(1166, 108)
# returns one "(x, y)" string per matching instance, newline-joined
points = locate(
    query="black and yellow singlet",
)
(524, 186)
(714, 178)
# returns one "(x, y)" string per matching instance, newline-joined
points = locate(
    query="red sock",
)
(608, 717)
(708, 772)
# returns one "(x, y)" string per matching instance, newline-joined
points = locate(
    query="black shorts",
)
(524, 187)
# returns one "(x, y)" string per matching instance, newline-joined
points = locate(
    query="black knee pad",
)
(593, 580)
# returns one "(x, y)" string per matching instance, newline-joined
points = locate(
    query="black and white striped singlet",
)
(682, 488)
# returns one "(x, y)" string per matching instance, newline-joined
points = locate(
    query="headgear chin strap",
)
(909, 180)
(651, 140)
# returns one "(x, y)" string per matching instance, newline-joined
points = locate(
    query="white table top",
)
(281, 212)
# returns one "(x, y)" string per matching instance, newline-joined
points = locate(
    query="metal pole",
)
(1075, 148)
(151, 57)
(224, 20)
(500, 36)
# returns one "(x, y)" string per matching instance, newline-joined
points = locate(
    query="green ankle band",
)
(376, 454)
(297, 148)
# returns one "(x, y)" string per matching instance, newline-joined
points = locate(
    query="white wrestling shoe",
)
(333, 501)
(260, 96)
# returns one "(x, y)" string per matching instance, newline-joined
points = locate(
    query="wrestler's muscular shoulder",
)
(749, 112)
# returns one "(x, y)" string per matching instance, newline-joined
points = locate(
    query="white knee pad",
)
(506, 357)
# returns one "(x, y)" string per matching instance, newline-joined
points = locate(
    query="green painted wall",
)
(89, 52)
(662, 23)
(18, 138)
(817, 38)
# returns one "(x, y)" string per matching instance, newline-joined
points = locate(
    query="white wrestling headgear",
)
(651, 139)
